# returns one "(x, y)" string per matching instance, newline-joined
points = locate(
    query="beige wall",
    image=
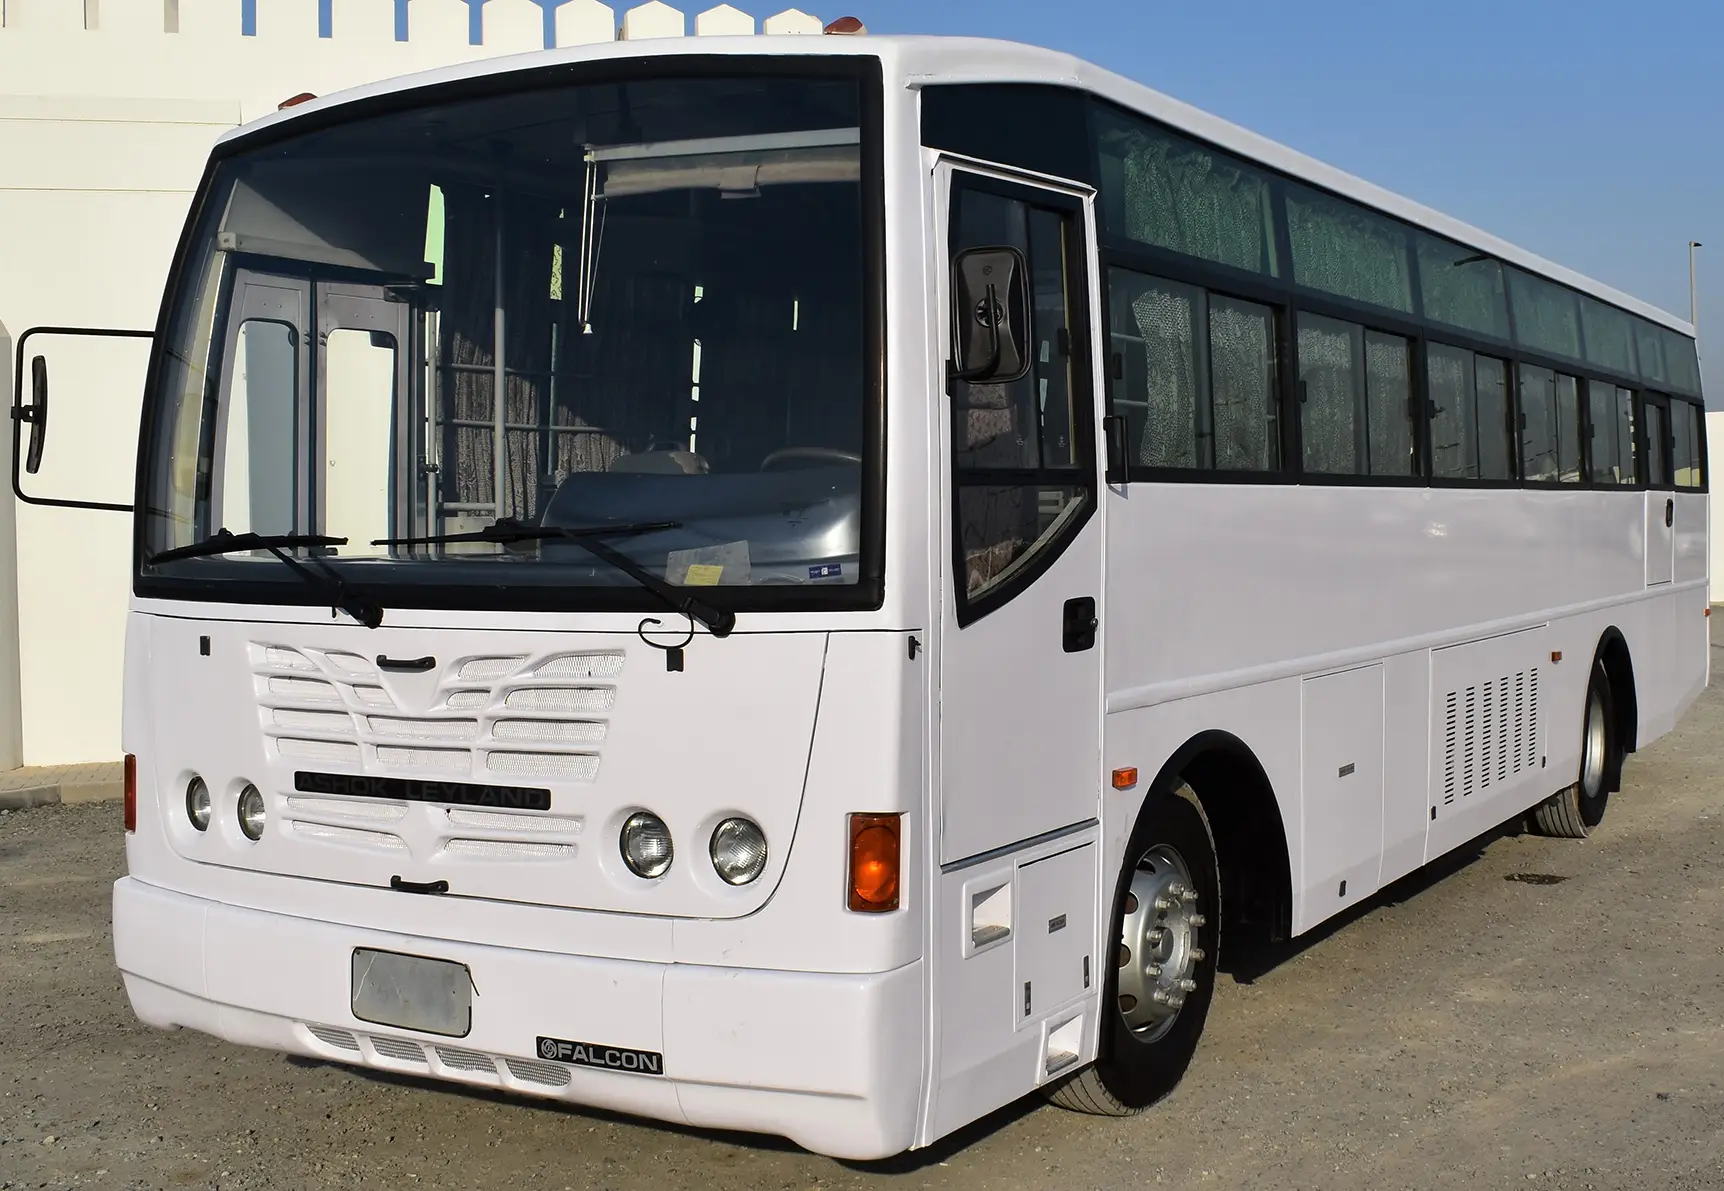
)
(108, 109)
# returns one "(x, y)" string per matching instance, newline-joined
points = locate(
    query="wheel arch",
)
(1618, 663)
(1251, 841)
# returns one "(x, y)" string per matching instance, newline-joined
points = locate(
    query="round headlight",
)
(251, 813)
(738, 851)
(646, 845)
(198, 803)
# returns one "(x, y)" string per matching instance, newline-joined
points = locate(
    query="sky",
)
(1586, 131)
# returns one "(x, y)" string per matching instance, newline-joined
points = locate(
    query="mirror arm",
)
(971, 375)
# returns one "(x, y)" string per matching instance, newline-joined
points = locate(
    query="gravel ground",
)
(1464, 1029)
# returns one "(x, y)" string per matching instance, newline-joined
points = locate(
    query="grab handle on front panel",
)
(408, 665)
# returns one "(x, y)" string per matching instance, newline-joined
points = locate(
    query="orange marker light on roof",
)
(302, 97)
(1125, 779)
(874, 853)
(847, 27)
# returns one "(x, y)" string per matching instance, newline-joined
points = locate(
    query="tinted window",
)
(1462, 288)
(1538, 431)
(1343, 249)
(1685, 464)
(1355, 392)
(1197, 375)
(1169, 192)
(1657, 445)
(1453, 395)
(1691, 447)
(1038, 128)
(1550, 425)
(1546, 315)
(1568, 429)
(1612, 412)
(1649, 340)
(1496, 440)
(1609, 336)
(1681, 362)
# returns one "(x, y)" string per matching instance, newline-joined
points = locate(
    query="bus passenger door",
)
(1020, 656)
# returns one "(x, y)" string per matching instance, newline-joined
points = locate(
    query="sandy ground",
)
(1464, 1029)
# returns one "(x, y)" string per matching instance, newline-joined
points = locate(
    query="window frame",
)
(1084, 474)
(1697, 409)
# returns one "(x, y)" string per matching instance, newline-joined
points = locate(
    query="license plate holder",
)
(412, 992)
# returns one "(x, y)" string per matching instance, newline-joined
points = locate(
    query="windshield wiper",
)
(326, 579)
(720, 621)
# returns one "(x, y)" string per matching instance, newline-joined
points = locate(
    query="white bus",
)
(819, 585)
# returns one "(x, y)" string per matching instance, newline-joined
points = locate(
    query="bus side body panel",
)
(1479, 603)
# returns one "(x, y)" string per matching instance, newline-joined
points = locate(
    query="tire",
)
(1170, 884)
(1573, 812)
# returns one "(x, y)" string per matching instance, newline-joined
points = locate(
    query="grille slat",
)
(340, 1039)
(550, 1075)
(400, 1050)
(465, 1060)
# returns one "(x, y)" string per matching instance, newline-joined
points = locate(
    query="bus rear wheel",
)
(1573, 812)
(1167, 923)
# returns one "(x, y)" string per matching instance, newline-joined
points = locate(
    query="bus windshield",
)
(634, 303)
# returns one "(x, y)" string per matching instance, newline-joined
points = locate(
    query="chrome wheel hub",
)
(1592, 749)
(1158, 951)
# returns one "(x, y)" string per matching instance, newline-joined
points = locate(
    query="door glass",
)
(359, 423)
(1018, 446)
(257, 470)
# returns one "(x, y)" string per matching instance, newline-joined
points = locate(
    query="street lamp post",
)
(1693, 292)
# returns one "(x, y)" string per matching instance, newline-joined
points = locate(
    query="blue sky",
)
(1586, 131)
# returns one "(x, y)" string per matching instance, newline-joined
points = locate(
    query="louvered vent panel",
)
(1490, 733)
(1450, 726)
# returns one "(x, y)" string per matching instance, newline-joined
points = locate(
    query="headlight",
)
(198, 804)
(738, 851)
(646, 845)
(251, 813)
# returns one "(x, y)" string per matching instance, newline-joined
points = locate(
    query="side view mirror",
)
(990, 316)
(92, 362)
(36, 414)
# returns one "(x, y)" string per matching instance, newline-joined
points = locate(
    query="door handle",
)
(1078, 625)
(406, 665)
(1670, 511)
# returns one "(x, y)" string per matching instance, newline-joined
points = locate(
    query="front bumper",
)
(833, 1062)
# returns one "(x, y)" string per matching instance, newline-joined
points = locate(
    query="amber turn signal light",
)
(1125, 779)
(874, 855)
(131, 811)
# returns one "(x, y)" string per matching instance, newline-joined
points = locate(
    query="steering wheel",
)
(810, 454)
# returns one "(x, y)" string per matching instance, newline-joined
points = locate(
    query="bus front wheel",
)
(1167, 924)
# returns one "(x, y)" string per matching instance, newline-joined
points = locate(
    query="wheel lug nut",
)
(1187, 896)
(1160, 997)
(1163, 905)
(1188, 985)
(1197, 920)
(1198, 955)
(1153, 971)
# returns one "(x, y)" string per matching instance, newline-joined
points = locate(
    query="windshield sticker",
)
(709, 566)
(826, 570)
